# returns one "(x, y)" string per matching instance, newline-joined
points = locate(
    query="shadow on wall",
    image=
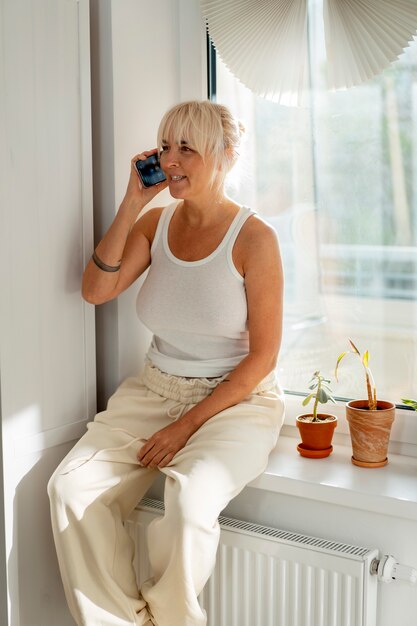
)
(36, 593)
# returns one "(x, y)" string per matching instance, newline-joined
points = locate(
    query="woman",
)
(206, 409)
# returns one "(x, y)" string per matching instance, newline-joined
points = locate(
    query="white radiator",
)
(270, 577)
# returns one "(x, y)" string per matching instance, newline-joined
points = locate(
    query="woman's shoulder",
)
(148, 222)
(257, 231)
(257, 243)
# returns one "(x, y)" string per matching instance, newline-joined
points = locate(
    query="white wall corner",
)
(193, 51)
(144, 60)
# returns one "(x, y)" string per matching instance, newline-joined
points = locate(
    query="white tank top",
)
(196, 310)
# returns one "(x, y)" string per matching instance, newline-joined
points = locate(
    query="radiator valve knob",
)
(387, 570)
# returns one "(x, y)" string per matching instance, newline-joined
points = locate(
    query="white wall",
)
(145, 58)
(46, 332)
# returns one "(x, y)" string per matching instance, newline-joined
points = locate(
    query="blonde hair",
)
(208, 128)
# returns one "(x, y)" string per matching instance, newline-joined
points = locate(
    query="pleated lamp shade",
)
(264, 43)
(364, 36)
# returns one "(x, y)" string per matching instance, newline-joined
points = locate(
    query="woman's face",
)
(188, 174)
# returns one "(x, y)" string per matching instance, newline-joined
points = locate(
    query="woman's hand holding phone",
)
(137, 193)
(150, 170)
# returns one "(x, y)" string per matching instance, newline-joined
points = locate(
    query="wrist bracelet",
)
(104, 266)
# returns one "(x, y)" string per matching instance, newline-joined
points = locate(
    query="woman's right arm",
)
(126, 243)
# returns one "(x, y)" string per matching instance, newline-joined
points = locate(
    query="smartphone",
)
(150, 171)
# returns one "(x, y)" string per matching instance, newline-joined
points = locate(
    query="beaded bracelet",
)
(103, 266)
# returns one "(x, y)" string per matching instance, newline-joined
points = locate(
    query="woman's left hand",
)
(161, 448)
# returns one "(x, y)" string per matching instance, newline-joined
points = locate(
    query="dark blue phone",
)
(150, 171)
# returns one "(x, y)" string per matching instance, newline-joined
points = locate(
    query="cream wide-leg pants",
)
(99, 483)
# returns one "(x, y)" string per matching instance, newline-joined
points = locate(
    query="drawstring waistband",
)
(179, 388)
(185, 391)
(190, 390)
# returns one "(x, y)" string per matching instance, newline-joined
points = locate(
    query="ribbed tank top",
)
(196, 310)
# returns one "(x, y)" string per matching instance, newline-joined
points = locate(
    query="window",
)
(338, 181)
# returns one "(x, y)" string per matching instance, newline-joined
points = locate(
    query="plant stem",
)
(371, 396)
(315, 410)
(316, 402)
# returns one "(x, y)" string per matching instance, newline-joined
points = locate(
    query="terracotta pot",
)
(316, 437)
(370, 432)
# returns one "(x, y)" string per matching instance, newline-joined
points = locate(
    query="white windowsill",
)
(390, 490)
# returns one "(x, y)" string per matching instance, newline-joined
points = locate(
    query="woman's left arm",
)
(264, 291)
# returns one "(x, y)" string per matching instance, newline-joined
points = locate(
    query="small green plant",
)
(410, 402)
(320, 391)
(370, 383)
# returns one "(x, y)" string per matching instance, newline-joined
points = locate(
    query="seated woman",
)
(206, 409)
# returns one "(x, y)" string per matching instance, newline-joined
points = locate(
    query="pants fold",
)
(99, 483)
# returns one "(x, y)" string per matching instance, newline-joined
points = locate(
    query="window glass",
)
(338, 181)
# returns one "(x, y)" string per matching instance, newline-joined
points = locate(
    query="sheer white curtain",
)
(338, 182)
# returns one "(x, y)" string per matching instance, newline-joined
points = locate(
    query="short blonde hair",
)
(208, 128)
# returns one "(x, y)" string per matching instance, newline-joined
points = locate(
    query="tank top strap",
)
(244, 214)
(165, 216)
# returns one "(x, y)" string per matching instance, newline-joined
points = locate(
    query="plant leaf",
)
(365, 359)
(353, 346)
(410, 402)
(307, 399)
(339, 358)
(322, 396)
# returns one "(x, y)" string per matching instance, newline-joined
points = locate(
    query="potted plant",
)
(410, 402)
(369, 420)
(316, 429)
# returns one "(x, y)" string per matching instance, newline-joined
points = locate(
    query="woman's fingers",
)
(148, 452)
(144, 155)
(166, 459)
(153, 457)
(143, 452)
(135, 187)
(153, 453)
(161, 448)
(158, 459)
